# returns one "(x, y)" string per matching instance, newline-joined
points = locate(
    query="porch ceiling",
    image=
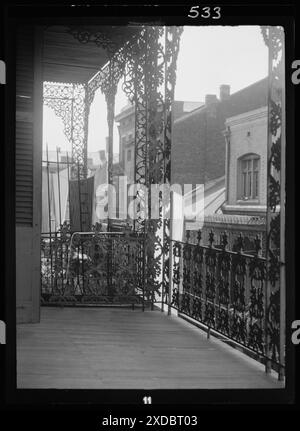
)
(65, 59)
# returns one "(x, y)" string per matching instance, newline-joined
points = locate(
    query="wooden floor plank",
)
(106, 348)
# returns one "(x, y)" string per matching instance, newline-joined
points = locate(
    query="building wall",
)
(126, 140)
(248, 135)
(129, 164)
(127, 131)
(198, 143)
(187, 141)
(255, 123)
(199, 155)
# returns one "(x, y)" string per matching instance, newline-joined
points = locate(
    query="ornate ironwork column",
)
(172, 41)
(110, 90)
(107, 80)
(149, 83)
(80, 129)
(149, 67)
(135, 87)
(275, 298)
(142, 78)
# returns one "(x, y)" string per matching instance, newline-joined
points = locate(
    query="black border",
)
(278, 14)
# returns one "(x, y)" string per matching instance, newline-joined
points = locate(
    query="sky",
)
(208, 57)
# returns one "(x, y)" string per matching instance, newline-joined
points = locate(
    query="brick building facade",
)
(198, 145)
(200, 155)
(246, 163)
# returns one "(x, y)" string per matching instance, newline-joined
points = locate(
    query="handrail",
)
(92, 284)
(220, 250)
(87, 233)
(225, 291)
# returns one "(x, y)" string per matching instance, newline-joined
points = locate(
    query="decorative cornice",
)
(235, 219)
(240, 119)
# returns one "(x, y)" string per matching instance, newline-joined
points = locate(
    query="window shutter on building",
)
(24, 126)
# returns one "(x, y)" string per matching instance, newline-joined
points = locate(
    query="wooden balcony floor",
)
(107, 348)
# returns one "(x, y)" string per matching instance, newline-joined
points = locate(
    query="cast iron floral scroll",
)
(236, 294)
(275, 345)
(225, 290)
(149, 81)
(69, 103)
(91, 268)
(147, 63)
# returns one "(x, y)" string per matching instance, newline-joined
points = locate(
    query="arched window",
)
(248, 181)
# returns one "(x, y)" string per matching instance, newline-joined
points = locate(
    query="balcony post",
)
(275, 244)
(110, 94)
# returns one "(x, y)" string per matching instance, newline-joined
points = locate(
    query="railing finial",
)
(257, 244)
(188, 236)
(199, 236)
(211, 238)
(128, 229)
(97, 227)
(224, 240)
(240, 243)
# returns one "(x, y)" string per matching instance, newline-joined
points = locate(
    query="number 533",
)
(205, 12)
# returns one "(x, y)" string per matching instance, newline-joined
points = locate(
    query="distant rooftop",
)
(246, 93)
(185, 108)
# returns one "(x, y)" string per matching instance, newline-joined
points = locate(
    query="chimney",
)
(210, 99)
(224, 92)
(102, 155)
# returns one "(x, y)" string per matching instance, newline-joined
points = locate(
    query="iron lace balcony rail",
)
(226, 292)
(92, 268)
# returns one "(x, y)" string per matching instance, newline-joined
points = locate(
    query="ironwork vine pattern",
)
(149, 71)
(222, 289)
(172, 42)
(69, 103)
(97, 268)
(99, 38)
(236, 294)
(142, 77)
(149, 82)
(274, 39)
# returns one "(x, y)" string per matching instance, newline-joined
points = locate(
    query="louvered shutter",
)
(24, 126)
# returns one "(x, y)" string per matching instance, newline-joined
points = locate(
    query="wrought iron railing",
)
(226, 292)
(92, 268)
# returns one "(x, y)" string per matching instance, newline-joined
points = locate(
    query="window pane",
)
(255, 184)
(255, 164)
(249, 176)
(249, 185)
(244, 182)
